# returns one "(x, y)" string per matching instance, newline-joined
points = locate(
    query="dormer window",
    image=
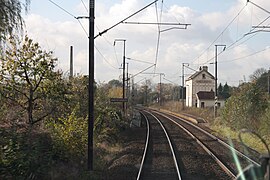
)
(203, 76)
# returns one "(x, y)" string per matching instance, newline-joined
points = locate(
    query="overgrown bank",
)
(43, 117)
(228, 129)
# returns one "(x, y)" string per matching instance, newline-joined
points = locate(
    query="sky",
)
(223, 22)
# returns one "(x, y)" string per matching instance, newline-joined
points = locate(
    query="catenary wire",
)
(105, 58)
(231, 46)
(220, 33)
(106, 40)
(158, 38)
(137, 60)
(70, 15)
(62, 8)
(84, 6)
(243, 57)
(83, 28)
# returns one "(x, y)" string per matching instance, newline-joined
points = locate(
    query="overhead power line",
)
(159, 33)
(220, 34)
(142, 71)
(234, 44)
(169, 81)
(105, 59)
(243, 57)
(158, 23)
(120, 22)
(138, 60)
(70, 14)
(62, 9)
(259, 6)
(84, 6)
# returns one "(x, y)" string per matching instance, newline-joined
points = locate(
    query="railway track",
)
(197, 153)
(159, 160)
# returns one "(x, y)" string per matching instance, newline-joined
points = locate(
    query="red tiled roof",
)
(206, 95)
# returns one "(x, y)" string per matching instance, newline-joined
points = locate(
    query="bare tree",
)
(257, 74)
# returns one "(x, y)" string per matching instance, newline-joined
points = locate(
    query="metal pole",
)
(146, 92)
(269, 81)
(183, 83)
(215, 108)
(91, 84)
(124, 66)
(216, 78)
(127, 90)
(183, 105)
(160, 89)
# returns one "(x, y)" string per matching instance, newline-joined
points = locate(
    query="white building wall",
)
(207, 103)
(193, 86)
(222, 103)
(189, 93)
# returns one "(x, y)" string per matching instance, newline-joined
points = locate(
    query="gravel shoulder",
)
(126, 162)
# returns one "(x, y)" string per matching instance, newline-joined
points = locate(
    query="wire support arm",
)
(141, 72)
(164, 24)
(258, 6)
(106, 30)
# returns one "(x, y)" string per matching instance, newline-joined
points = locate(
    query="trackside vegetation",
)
(247, 107)
(43, 117)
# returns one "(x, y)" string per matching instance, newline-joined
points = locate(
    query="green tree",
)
(220, 90)
(262, 81)
(27, 75)
(245, 107)
(226, 91)
(11, 19)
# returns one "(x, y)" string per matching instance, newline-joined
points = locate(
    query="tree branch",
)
(42, 117)
(21, 92)
(13, 100)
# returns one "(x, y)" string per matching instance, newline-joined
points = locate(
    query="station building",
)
(200, 90)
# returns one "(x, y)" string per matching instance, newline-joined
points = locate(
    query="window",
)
(203, 76)
(202, 104)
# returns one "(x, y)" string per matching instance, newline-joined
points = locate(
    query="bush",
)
(70, 135)
(245, 108)
(25, 155)
(265, 124)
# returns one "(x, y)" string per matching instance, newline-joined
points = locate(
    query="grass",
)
(250, 140)
(218, 128)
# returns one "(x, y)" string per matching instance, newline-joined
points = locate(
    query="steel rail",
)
(219, 162)
(170, 144)
(219, 140)
(145, 147)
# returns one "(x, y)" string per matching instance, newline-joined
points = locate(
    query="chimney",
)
(71, 62)
(205, 68)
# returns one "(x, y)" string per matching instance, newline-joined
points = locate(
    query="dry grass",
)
(176, 106)
(217, 126)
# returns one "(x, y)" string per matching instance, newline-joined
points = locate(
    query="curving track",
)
(159, 160)
(197, 154)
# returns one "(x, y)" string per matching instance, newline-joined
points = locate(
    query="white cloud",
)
(176, 46)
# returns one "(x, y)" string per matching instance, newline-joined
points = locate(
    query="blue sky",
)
(56, 30)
